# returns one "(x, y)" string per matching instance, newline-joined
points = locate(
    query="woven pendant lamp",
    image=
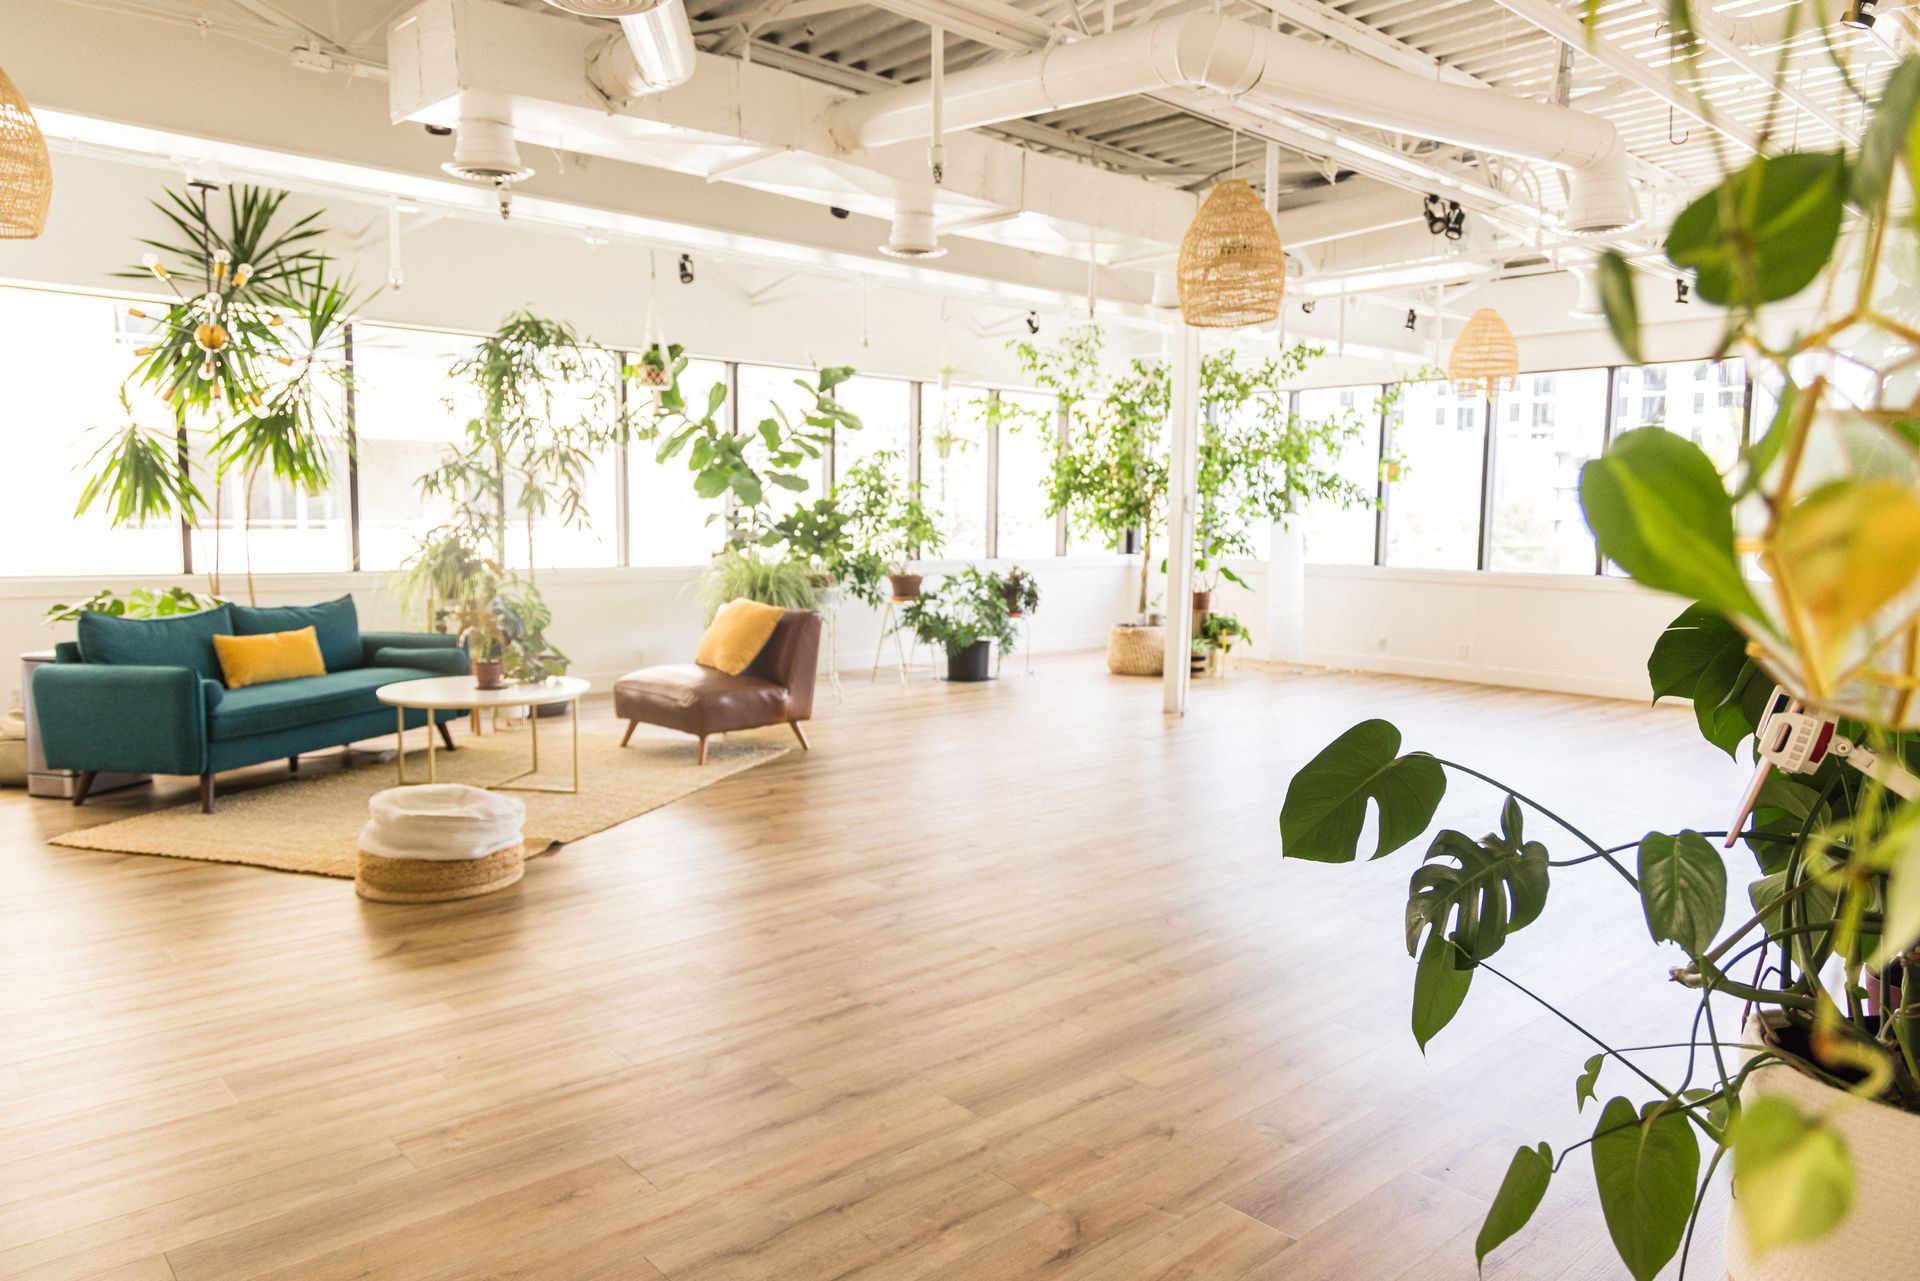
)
(1484, 360)
(1232, 270)
(26, 176)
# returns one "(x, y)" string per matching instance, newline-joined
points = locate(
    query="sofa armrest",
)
(440, 660)
(121, 718)
(372, 641)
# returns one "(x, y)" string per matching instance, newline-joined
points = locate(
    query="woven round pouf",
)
(437, 842)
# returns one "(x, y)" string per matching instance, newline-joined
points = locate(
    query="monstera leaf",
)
(1703, 657)
(1326, 804)
(1477, 892)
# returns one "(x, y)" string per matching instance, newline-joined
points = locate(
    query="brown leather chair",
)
(776, 687)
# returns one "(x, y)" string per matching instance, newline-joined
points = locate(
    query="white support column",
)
(1183, 479)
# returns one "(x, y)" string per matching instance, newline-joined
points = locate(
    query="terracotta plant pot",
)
(970, 663)
(489, 675)
(905, 586)
(1202, 602)
(1010, 593)
(1884, 1145)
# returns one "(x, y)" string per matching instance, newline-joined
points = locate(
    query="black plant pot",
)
(973, 663)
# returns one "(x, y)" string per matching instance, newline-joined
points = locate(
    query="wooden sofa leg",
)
(206, 793)
(703, 749)
(293, 764)
(81, 786)
(446, 735)
(801, 734)
(631, 726)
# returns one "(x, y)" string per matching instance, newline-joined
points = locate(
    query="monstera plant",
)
(1801, 566)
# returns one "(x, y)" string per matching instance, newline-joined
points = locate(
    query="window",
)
(666, 521)
(1434, 479)
(1336, 535)
(407, 412)
(767, 391)
(1536, 524)
(62, 360)
(1029, 426)
(1707, 403)
(885, 409)
(953, 466)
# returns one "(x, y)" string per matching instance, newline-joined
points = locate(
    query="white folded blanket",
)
(13, 725)
(441, 822)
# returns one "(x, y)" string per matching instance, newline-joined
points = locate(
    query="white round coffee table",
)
(441, 693)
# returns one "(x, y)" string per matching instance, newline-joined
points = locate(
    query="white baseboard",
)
(1481, 674)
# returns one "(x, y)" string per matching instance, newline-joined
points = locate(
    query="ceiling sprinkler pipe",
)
(913, 234)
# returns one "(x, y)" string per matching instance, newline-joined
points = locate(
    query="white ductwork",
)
(1204, 51)
(655, 53)
(913, 234)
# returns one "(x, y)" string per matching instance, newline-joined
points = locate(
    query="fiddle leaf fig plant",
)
(1811, 668)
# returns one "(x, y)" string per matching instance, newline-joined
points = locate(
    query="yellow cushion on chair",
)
(737, 634)
(270, 656)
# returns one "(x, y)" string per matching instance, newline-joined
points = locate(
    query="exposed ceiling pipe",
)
(656, 53)
(1558, 22)
(1203, 51)
(1718, 35)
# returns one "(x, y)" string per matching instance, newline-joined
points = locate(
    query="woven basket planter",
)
(1884, 1146)
(1136, 651)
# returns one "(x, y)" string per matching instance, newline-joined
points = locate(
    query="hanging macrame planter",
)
(1232, 270)
(656, 358)
(26, 175)
(1484, 360)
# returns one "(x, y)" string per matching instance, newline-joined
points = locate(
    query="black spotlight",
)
(838, 212)
(1033, 322)
(1456, 222)
(1436, 214)
(1859, 15)
(686, 269)
(1681, 290)
(1412, 320)
(439, 131)
(1307, 306)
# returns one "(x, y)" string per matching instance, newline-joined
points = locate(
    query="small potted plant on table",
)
(1021, 591)
(888, 521)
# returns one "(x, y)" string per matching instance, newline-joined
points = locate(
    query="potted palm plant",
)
(964, 615)
(1813, 1098)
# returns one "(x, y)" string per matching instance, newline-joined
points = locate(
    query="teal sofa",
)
(145, 696)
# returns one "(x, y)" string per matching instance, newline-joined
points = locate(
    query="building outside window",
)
(1433, 507)
(1536, 524)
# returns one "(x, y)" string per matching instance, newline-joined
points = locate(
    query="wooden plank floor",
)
(998, 982)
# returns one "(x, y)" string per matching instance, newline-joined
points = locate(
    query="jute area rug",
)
(311, 822)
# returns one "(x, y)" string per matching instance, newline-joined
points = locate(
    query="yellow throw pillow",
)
(270, 656)
(737, 634)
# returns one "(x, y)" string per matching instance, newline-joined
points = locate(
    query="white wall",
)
(1578, 634)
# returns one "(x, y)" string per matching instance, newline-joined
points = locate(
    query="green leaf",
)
(1760, 455)
(1683, 889)
(1583, 1085)
(1902, 926)
(1645, 1165)
(1766, 232)
(1618, 302)
(1519, 1196)
(1888, 136)
(1440, 983)
(1655, 503)
(1791, 1174)
(746, 487)
(1482, 890)
(1326, 804)
(1703, 657)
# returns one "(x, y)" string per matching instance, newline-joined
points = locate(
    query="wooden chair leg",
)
(446, 734)
(801, 734)
(206, 793)
(293, 764)
(703, 749)
(631, 726)
(82, 786)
